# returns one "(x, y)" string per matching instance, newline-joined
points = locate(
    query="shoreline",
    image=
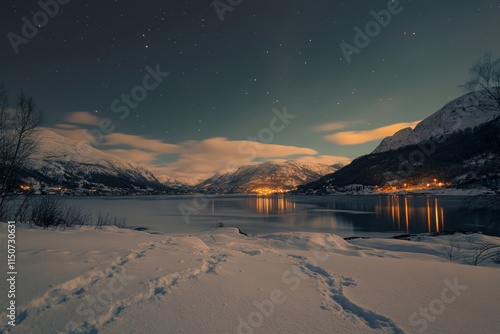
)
(430, 192)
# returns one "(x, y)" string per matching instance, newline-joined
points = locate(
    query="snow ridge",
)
(467, 111)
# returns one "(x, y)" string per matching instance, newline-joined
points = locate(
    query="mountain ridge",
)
(267, 177)
(464, 112)
(458, 144)
(63, 161)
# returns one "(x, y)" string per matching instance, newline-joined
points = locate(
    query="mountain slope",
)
(465, 112)
(267, 177)
(62, 161)
(468, 158)
(459, 144)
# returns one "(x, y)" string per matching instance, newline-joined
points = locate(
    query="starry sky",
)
(219, 76)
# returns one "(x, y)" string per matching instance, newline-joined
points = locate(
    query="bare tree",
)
(472, 249)
(485, 76)
(481, 250)
(453, 248)
(19, 123)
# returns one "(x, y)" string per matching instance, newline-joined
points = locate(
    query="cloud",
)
(75, 130)
(361, 137)
(138, 157)
(334, 126)
(72, 126)
(66, 126)
(138, 142)
(200, 159)
(82, 118)
(193, 159)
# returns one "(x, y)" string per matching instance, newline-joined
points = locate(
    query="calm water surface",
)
(342, 215)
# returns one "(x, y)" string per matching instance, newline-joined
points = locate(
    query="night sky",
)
(226, 77)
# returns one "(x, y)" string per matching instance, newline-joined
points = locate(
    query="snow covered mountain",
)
(268, 177)
(181, 182)
(467, 111)
(466, 154)
(62, 161)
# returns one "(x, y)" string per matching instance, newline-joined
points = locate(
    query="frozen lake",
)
(342, 215)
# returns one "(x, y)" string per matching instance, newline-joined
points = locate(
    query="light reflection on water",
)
(262, 204)
(273, 205)
(342, 215)
(403, 210)
(385, 213)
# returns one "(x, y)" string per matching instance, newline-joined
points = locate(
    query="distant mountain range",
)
(265, 178)
(459, 144)
(181, 182)
(65, 162)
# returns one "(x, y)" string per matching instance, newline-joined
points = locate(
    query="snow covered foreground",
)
(124, 281)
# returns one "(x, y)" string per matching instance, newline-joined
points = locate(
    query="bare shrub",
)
(47, 211)
(74, 216)
(452, 250)
(472, 249)
(107, 219)
(480, 250)
(50, 211)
